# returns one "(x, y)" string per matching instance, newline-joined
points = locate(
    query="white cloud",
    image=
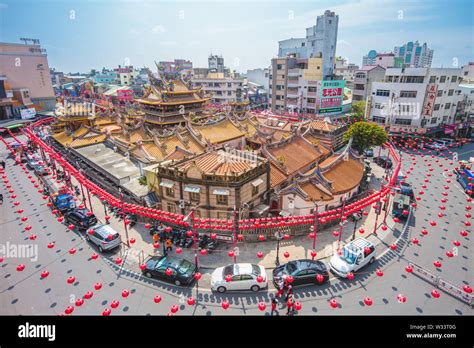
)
(158, 29)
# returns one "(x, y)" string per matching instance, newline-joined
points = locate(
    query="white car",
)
(354, 256)
(243, 277)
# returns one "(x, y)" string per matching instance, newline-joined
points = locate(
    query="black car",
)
(181, 271)
(80, 219)
(383, 161)
(303, 272)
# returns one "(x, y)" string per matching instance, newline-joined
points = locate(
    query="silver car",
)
(104, 237)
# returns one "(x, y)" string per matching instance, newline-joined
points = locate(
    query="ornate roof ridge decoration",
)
(181, 138)
(196, 135)
(147, 156)
(188, 153)
(316, 147)
(279, 164)
(345, 153)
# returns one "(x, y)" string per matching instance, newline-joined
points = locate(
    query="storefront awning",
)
(220, 192)
(192, 189)
(167, 184)
(257, 182)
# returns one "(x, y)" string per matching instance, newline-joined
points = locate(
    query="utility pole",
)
(123, 214)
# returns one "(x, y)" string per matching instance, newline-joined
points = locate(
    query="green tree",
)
(358, 108)
(365, 135)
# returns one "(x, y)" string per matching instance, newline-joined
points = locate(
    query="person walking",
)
(2, 163)
(281, 289)
(274, 306)
(168, 245)
(1, 198)
(155, 238)
(289, 304)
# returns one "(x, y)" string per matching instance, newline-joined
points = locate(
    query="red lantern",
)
(313, 254)
(225, 304)
(437, 264)
(125, 293)
(94, 256)
(191, 301)
(401, 298)
(71, 280)
(69, 310)
(106, 312)
(449, 253)
(197, 276)
(157, 299)
(98, 286)
(259, 254)
(260, 279)
(44, 274)
(286, 254)
(290, 279)
(203, 252)
(88, 295)
(409, 268)
(72, 251)
(435, 293)
(115, 304)
(50, 245)
(350, 276)
(379, 272)
(79, 302)
(320, 278)
(414, 240)
(333, 303)
(467, 289)
(231, 253)
(456, 243)
(393, 247)
(424, 232)
(368, 301)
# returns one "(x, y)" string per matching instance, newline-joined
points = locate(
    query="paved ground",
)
(27, 293)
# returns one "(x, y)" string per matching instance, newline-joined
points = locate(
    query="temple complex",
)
(173, 128)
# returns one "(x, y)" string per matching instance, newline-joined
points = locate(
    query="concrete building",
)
(294, 84)
(345, 71)
(216, 63)
(363, 80)
(106, 76)
(26, 67)
(386, 60)
(468, 73)
(183, 66)
(223, 89)
(414, 55)
(320, 41)
(259, 77)
(422, 100)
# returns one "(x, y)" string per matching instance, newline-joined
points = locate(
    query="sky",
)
(81, 35)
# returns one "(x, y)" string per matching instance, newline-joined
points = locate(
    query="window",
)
(279, 67)
(26, 94)
(378, 119)
(407, 94)
(312, 89)
(411, 79)
(222, 199)
(432, 79)
(254, 190)
(403, 121)
(447, 106)
(436, 107)
(451, 92)
(442, 79)
(454, 78)
(194, 197)
(229, 84)
(440, 93)
(383, 92)
(172, 207)
(379, 106)
(229, 92)
(169, 191)
(433, 120)
(311, 100)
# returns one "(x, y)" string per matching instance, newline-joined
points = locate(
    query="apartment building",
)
(363, 80)
(25, 66)
(423, 100)
(223, 89)
(294, 83)
(320, 41)
(414, 55)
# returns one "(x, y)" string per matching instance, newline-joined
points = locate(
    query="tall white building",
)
(422, 100)
(260, 77)
(414, 55)
(320, 42)
(224, 89)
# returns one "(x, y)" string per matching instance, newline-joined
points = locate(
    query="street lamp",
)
(315, 226)
(279, 236)
(190, 217)
(123, 213)
(356, 217)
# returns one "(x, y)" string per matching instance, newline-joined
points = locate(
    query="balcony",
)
(360, 80)
(293, 72)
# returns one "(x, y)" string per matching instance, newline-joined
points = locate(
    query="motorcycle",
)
(208, 244)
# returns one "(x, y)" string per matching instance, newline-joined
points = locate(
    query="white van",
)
(354, 256)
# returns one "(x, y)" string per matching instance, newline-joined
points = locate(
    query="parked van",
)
(354, 256)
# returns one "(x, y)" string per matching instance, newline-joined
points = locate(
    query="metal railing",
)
(442, 284)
